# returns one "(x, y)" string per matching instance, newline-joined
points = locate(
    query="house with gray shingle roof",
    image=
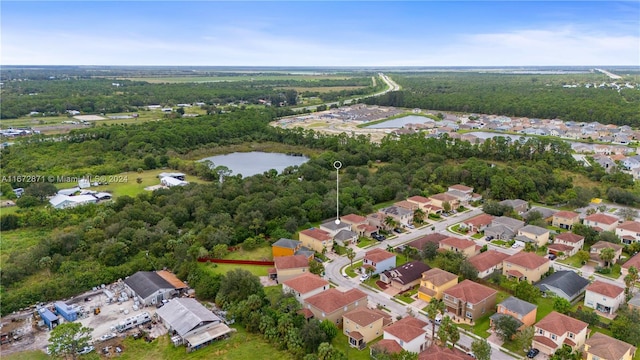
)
(565, 284)
(520, 310)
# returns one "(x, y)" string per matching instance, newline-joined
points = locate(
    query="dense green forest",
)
(87, 246)
(534, 96)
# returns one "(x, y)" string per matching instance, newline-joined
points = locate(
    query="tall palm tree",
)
(434, 308)
(630, 279)
(607, 255)
(351, 255)
(418, 216)
(390, 222)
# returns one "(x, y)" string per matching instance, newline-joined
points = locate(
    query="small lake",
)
(400, 122)
(256, 162)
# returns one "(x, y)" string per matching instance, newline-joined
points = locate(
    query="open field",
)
(323, 89)
(244, 77)
(225, 268)
(262, 253)
(19, 241)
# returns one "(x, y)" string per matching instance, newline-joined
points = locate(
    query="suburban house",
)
(521, 310)
(538, 235)
(332, 304)
(566, 243)
(305, 285)
(440, 199)
(421, 201)
(601, 222)
(316, 239)
(406, 276)
(519, 206)
(345, 237)
(604, 297)
(434, 238)
(634, 302)
(364, 325)
(288, 267)
(332, 228)
(61, 201)
(556, 329)
(458, 245)
(435, 352)
(170, 181)
(353, 220)
(150, 288)
(503, 228)
(634, 261)
(379, 260)
(387, 346)
(629, 232)
(401, 216)
(488, 262)
(285, 247)
(191, 323)
(408, 205)
(545, 213)
(566, 284)
(603, 347)
(525, 266)
(410, 333)
(477, 224)
(469, 300)
(565, 219)
(434, 282)
(597, 248)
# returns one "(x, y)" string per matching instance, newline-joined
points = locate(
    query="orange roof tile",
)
(602, 218)
(435, 352)
(291, 262)
(606, 347)
(419, 199)
(438, 276)
(317, 234)
(570, 237)
(559, 324)
(365, 316)
(483, 219)
(306, 282)
(604, 288)
(634, 261)
(331, 300)
(388, 345)
(566, 214)
(353, 218)
(407, 329)
(377, 255)
(461, 187)
(457, 243)
(172, 279)
(527, 260)
(470, 292)
(630, 226)
(487, 260)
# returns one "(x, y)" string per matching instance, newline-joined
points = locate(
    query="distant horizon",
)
(329, 67)
(320, 34)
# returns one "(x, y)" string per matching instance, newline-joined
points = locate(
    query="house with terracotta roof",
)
(566, 243)
(525, 266)
(411, 206)
(288, 267)
(566, 284)
(477, 223)
(440, 199)
(420, 201)
(458, 245)
(316, 239)
(603, 347)
(596, 249)
(434, 238)
(634, 261)
(363, 325)
(435, 352)
(379, 260)
(404, 277)
(556, 329)
(365, 230)
(520, 310)
(601, 222)
(488, 262)
(469, 300)
(410, 333)
(538, 235)
(385, 346)
(434, 282)
(604, 297)
(332, 304)
(629, 232)
(353, 220)
(565, 219)
(285, 247)
(305, 285)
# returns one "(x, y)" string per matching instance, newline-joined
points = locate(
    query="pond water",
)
(400, 122)
(256, 162)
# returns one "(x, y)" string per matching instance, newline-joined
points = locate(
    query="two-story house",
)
(520, 310)
(434, 282)
(566, 284)
(629, 232)
(469, 300)
(458, 245)
(538, 235)
(304, 286)
(363, 325)
(401, 216)
(288, 267)
(604, 297)
(545, 213)
(463, 194)
(420, 201)
(556, 329)
(601, 222)
(354, 220)
(596, 250)
(633, 262)
(379, 260)
(285, 247)
(565, 219)
(439, 201)
(404, 277)
(316, 239)
(410, 333)
(435, 352)
(488, 262)
(603, 347)
(332, 304)
(504, 228)
(332, 228)
(566, 243)
(421, 242)
(519, 206)
(477, 223)
(525, 266)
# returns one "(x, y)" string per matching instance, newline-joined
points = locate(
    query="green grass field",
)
(245, 77)
(225, 268)
(262, 253)
(19, 241)
(341, 342)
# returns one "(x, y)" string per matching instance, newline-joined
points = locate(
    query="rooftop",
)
(408, 272)
(604, 288)
(517, 306)
(185, 314)
(566, 214)
(286, 243)
(461, 187)
(602, 218)
(630, 226)
(634, 261)
(419, 199)
(487, 259)
(431, 238)
(565, 280)
(527, 260)
(606, 347)
(457, 243)
(535, 230)
(377, 255)
(470, 292)
(306, 282)
(407, 329)
(331, 225)
(316, 234)
(331, 300)
(559, 324)
(145, 283)
(366, 316)
(353, 218)
(388, 345)
(570, 237)
(482, 219)
(291, 262)
(604, 244)
(435, 352)
(438, 276)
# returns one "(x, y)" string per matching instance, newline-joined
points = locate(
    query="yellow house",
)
(525, 266)
(288, 267)
(565, 219)
(603, 347)
(467, 247)
(536, 234)
(363, 325)
(316, 239)
(434, 282)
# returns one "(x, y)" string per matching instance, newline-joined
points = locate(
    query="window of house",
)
(553, 337)
(323, 315)
(345, 308)
(571, 335)
(541, 332)
(469, 306)
(469, 315)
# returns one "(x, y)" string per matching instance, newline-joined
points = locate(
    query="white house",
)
(601, 222)
(171, 181)
(604, 297)
(629, 232)
(380, 260)
(556, 329)
(409, 333)
(304, 286)
(61, 201)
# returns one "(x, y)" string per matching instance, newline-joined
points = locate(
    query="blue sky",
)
(330, 33)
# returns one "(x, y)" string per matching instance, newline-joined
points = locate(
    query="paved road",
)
(334, 273)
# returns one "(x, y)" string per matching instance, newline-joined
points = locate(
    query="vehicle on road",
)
(106, 337)
(364, 277)
(532, 353)
(378, 237)
(552, 257)
(489, 238)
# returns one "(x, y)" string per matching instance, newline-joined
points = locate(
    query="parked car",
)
(515, 246)
(364, 277)
(489, 238)
(552, 257)
(106, 337)
(532, 353)
(86, 350)
(398, 231)
(411, 226)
